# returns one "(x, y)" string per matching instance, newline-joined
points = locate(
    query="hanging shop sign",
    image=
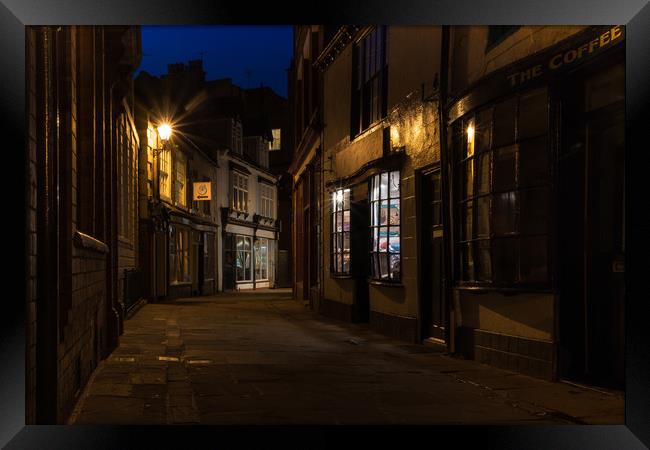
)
(540, 67)
(203, 190)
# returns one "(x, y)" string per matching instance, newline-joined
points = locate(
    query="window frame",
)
(375, 226)
(276, 143)
(337, 207)
(267, 200)
(249, 252)
(257, 247)
(369, 80)
(179, 195)
(236, 189)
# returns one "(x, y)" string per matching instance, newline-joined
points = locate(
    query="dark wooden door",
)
(590, 211)
(604, 283)
(433, 299)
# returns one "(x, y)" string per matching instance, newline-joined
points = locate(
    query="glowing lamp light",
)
(470, 133)
(165, 131)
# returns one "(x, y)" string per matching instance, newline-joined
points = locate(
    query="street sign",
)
(203, 190)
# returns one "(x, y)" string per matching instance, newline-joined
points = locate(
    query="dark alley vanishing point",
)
(262, 358)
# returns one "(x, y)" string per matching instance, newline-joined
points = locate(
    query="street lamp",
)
(165, 131)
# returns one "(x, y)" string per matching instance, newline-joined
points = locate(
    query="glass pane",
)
(534, 211)
(339, 262)
(468, 185)
(435, 186)
(383, 239)
(346, 199)
(247, 244)
(504, 168)
(346, 220)
(483, 263)
(346, 241)
(383, 266)
(333, 201)
(240, 242)
(394, 240)
(395, 266)
(534, 260)
(339, 221)
(533, 114)
(483, 132)
(346, 263)
(383, 191)
(483, 216)
(375, 239)
(335, 261)
(394, 212)
(605, 88)
(466, 212)
(375, 187)
(504, 214)
(505, 257)
(466, 262)
(394, 184)
(504, 123)
(483, 173)
(533, 162)
(458, 140)
(383, 213)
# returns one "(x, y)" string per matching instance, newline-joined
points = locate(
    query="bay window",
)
(502, 192)
(340, 244)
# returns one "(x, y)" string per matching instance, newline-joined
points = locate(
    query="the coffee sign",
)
(567, 57)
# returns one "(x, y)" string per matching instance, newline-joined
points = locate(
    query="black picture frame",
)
(635, 14)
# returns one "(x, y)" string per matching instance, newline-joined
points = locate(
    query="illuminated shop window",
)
(340, 263)
(502, 192)
(243, 258)
(179, 254)
(261, 259)
(385, 226)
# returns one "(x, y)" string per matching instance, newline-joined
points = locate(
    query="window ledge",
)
(181, 283)
(375, 282)
(83, 240)
(341, 276)
(506, 290)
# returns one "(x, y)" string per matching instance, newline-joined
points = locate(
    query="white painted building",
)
(247, 199)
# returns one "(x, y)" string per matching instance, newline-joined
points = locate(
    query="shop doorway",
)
(433, 307)
(591, 207)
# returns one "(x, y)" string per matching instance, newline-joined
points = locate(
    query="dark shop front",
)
(536, 158)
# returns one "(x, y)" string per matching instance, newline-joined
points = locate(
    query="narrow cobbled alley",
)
(262, 358)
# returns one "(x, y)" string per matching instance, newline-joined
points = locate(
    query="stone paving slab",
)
(262, 358)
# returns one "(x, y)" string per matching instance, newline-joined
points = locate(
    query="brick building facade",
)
(81, 139)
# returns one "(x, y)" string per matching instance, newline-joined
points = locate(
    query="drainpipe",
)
(446, 191)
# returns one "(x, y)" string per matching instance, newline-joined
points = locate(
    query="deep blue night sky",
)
(230, 51)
